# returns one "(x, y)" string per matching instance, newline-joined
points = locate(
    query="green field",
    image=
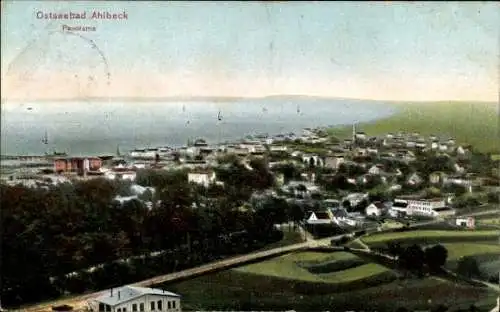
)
(234, 290)
(458, 250)
(493, 221)
(495, 157)
(429, 237)
(318, 280)
(295, 266)
(468, 123)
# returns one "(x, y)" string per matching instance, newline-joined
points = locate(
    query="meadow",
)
(316, 281)
(426, 237)
(468, 123)
(458, 250)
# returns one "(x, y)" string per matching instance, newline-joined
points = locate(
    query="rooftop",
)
(126, 293)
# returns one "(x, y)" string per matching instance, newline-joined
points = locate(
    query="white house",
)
(461, 151)
(466, 222)
(143, 153)
(458, 168)
(360, 136)
(423, 207)
(372, 151)
(355, 198)
(333, 161)
(411, 144)
(320, 218)
(204, 178)
(278, 148)
(375, 170)
(136, 299)
(375, 209)
(124, 175)
(139, 190)
(414, 179)
(341, 217)
(443, 147)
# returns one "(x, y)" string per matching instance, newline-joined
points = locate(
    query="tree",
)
(467, 266)
(412, 258)
(346, 204)
(435, 257)
(394, 249)
(296, 213)
(440, 308)
(493, 197)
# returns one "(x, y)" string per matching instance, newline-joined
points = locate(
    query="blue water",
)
(98, 127)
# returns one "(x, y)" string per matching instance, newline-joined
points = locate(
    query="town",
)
(314, 183)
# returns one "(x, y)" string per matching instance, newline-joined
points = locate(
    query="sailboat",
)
(45, 139)
(219, 116)
(298, 109)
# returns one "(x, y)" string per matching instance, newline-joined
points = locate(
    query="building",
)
(204, 178)
(421, 207)
(77, 164)
(469, 222)
(375, 209)
(146, 153)
(319, 218)
(333, 162)
(313, 160)
(136, 299)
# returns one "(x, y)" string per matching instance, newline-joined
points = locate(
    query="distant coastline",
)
(228, 99)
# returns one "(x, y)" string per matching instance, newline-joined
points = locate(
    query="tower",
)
(353, 132)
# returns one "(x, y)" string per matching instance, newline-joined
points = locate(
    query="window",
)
(119, 310)
(173, 304)
(152, 305)
(141, 307)
(169, 305)
(101, 307)
(159, 305)
(108, 308)
(134, 307)
(124, 309)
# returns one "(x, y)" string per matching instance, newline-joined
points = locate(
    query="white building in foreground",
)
(421, 207)
(136, 299)
(204, 178)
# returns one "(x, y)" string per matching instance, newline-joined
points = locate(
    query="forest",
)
(49, 233)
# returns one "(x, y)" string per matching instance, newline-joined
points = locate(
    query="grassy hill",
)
(468, 123)
(313, 281)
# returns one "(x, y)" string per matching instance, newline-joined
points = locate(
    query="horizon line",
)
(216, 98)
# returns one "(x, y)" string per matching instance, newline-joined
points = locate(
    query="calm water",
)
(98, 127)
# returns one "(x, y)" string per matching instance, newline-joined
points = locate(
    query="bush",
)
(334, 266)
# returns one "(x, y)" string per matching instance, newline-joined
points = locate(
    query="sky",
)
(379, 50)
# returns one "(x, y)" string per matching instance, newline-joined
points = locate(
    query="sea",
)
(100, 127)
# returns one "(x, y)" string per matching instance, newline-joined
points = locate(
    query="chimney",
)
(111, 292)
(118, 295)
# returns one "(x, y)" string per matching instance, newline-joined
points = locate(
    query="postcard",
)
(249, 156)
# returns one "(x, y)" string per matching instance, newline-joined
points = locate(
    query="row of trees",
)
(47, 234)
(419, 260)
